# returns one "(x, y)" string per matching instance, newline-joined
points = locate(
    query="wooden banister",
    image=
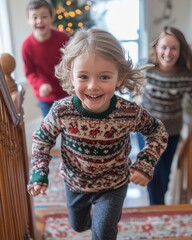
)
(8, 99)
(185, 167)
(17, 215)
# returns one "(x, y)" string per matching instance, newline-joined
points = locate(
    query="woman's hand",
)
(138, 178)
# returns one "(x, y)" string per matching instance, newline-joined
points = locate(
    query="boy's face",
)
(40, 21)
(95, 80)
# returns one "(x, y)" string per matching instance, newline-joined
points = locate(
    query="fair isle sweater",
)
(163, 97)
(95, 147)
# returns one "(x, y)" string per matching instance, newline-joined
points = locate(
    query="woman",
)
(167, 84)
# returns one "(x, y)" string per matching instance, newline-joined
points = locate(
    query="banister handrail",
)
(15, 116)
(184, 164)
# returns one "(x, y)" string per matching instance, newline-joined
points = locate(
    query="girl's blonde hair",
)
(107, 46)
(184, 61)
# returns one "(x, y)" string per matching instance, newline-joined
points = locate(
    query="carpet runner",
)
(132, 226)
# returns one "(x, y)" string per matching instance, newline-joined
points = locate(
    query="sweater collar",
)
(86, 113)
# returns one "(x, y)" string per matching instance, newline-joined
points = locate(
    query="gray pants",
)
(99, 212)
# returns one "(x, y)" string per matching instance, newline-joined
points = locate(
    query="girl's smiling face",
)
(95, 80)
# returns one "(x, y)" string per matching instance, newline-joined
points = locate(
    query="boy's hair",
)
(185, 58)
(36, 4)
(107, 46)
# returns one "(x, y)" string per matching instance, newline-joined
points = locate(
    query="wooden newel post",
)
(8, 65)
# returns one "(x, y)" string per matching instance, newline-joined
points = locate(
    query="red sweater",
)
(40, 58)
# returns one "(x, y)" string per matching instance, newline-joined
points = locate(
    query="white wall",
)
(19, 31)
(5, 34)
(180, 17)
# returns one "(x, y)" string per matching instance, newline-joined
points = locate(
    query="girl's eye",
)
(83, 77)
(105, 77)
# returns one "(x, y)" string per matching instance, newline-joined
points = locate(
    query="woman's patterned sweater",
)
(164, 95)
(95, 147)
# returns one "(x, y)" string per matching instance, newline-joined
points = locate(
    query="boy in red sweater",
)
(41, 53)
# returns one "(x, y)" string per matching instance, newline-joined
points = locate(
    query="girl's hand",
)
(45, 90)
(138, 178)
(36, 190)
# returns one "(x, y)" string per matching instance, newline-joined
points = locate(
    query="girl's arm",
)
(156, 142)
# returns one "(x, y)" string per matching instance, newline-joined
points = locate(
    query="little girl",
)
(95, 126)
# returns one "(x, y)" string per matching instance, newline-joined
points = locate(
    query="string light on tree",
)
(72, 14)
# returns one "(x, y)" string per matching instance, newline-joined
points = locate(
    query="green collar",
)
(86, 113)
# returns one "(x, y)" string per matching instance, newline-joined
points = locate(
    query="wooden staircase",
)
(16, 207)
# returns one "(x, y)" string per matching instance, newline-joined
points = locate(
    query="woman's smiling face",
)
(95, 80)
(168, 51)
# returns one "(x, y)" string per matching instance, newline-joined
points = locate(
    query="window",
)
(5, 37)
(122, 18)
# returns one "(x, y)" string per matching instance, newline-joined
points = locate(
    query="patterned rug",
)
(131, 226)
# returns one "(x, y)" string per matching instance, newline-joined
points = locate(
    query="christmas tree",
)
(71, 15)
